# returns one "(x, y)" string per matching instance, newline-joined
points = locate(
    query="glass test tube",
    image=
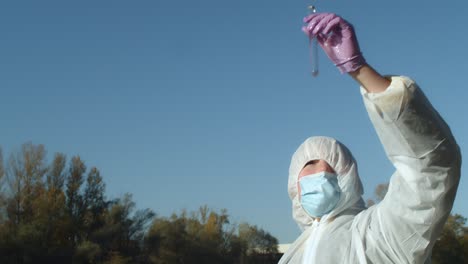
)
(313, 47)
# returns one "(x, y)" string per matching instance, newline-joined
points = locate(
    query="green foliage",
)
(257, 240)
(207, 236)
(87, 252)
(2, 188)
(183, 239)
(117, 258)
(451, 247)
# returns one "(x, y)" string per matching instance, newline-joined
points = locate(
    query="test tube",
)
(313, 47)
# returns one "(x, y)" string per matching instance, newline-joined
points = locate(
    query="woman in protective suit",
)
(324, 185)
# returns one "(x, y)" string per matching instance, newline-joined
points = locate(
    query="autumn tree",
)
(59, 213)
(2, 189)
(57, 220)
(123, 229)
(74, 198)
(451, 247)
(94, 201)
(56, 174)
(24, 203)
(379, 193)
(207, 236)
(25, 175)
(257, 243)
(181, 238)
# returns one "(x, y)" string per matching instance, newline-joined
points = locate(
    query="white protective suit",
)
(405, 225)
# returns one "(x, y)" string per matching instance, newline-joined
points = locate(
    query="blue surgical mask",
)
(320, 193)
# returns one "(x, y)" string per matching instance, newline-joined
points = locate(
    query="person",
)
(324, 185)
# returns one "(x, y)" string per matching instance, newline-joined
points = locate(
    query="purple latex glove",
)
(337, 38)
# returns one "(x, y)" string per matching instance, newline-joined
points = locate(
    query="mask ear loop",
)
(299, 190)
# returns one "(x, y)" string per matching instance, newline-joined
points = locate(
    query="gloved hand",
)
(337, 38)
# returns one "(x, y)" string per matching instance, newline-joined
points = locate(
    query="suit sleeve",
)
(427, 160)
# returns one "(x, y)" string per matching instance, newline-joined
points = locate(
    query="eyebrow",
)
(309, 162)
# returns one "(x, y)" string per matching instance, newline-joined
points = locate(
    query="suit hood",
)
(344, 164)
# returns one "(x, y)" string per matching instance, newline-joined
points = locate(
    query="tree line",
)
(58, 212)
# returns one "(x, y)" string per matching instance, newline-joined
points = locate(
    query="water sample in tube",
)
(313, 48)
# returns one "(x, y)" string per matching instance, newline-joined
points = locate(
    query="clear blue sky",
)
(186, 103)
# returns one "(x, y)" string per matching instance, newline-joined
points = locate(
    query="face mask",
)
(320, 193)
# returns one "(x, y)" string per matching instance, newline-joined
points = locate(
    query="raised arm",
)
(405, 225)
